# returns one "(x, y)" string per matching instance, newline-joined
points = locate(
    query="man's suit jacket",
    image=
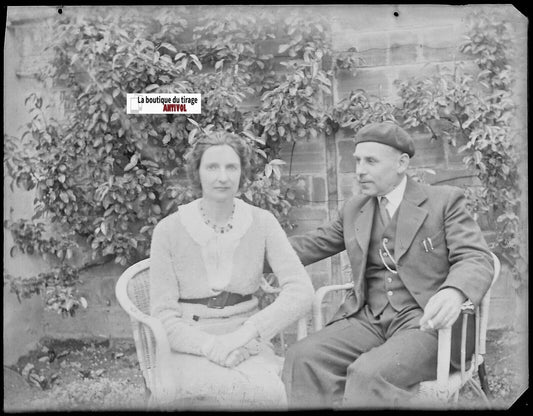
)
(460, 256)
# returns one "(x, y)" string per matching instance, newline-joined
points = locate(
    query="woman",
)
(206, 261)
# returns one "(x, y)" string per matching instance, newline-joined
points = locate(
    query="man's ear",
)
(403, 163)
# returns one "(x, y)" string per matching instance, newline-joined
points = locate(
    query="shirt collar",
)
(395, 196)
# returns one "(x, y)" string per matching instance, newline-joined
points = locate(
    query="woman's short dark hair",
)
(218, 138)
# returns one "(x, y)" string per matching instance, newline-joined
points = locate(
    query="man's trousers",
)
(361, 362)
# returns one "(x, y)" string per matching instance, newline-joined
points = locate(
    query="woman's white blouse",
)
(189, 260)
(217, 249)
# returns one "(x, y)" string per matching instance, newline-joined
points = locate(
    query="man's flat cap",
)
(387, 133)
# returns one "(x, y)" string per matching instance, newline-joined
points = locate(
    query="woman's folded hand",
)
(236, 357)
(243, 353)
(253, 347)
(223, 345)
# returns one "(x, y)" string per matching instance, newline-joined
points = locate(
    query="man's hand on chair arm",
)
(442, 309)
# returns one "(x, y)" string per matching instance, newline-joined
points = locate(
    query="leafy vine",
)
(109, 177)
(477, 110)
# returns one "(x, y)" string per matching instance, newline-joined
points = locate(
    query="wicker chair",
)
(133, 294)
(447, 385)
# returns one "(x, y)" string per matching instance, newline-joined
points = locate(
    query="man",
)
(416, 255)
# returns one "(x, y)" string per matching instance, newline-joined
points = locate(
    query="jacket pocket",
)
(433, 253)
(433, 241)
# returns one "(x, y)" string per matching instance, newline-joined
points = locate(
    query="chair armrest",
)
(318, 320)
(443, 356)
(445, 343)
(161, 341)
(162, 345)
(485, 305)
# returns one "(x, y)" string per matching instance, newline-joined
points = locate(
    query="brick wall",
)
(393, 47)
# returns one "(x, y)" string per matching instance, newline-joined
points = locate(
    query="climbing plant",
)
(103, 178)
(474, 111)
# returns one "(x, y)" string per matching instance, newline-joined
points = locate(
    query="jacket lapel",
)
(410, 217)
(363, 228)
(363, 225)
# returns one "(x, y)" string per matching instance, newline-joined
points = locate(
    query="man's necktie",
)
(385, 216)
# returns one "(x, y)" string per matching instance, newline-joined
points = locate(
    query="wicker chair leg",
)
(475, 386)
(155, 404)
(455, 399)
(147, 398)
(151, 404)
(483, 380)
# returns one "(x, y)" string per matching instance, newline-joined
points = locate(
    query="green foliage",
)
(478, 109)
(109, 177)
(294, 109)
(360, 109)
(29, 238)
(262, 193)
(57, 286)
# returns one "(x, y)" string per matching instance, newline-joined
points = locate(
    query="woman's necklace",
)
(219, 229)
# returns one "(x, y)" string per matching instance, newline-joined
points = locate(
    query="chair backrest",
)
(138, 288)
(133, 293)
(485, 305)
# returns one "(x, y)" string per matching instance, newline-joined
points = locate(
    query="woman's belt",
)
(220, 301)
